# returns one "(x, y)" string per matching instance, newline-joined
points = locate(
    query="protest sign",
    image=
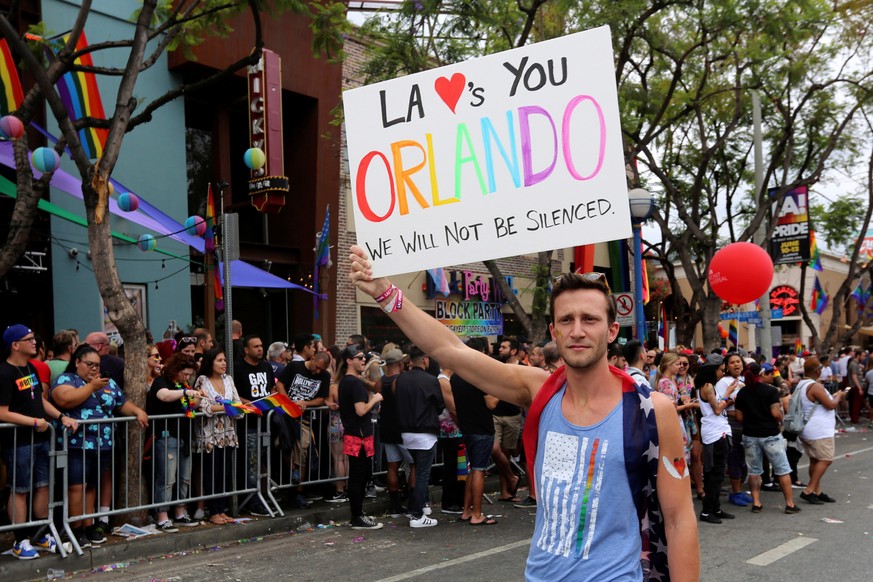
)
(512, 153)
(790, 241)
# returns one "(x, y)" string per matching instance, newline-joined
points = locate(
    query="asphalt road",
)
(762, 547)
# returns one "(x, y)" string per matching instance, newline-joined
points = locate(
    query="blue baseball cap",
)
(14, 333)
(766, 368)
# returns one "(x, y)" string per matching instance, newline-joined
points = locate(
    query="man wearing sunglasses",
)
(583, 458)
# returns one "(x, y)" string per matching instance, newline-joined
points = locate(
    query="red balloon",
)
(740, 272)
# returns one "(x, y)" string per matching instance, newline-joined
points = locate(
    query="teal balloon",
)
(147, 243)
(46, 160)
(128, 202)
(255, 158)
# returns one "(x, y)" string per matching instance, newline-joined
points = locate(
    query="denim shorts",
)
(18, 463)
(396, 453)
(86, 468)
(479, 450)
(773, 447)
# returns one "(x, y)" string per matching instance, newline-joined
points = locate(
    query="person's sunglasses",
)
(592, 276)
(187, 341)
(361, 357)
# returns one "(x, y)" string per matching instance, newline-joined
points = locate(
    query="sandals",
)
(757, 508)
(220, 519)
(487, 521)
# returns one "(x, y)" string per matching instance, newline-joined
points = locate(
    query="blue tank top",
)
(586, 526)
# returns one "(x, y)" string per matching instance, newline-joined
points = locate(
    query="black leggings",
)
(714, 463)
(360, 471)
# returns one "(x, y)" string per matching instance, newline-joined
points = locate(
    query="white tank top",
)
(713, 427)
(820, 422)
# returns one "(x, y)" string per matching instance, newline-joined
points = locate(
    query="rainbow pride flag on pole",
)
(278, 402)
(814, 253)
(11, 94)
(80, 95)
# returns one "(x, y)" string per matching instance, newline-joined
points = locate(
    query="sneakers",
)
(24, 551)
(399, 511)
(199, 515)
(81, 538)
(738, 499)
(365, 522)
(257, 509)
(792, 509)
(710, 518)
(423, 521)
(529, 503)
(166, 526)
(452, 509)
(811, 498)
(771, 487)
(48, 543)
(300, 502)
(426, 509)
(798, 485)
(338, 497)
(826, 498)
(371, 491)
(723, 515)
(95, 535)
(185, 521)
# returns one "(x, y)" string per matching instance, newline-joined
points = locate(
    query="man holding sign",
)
(595, 441)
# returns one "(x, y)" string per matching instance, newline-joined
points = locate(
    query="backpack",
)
(793, 422)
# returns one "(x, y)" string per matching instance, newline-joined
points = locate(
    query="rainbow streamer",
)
(81, 97)
(814, 254)
(11, 94)
(278, 402)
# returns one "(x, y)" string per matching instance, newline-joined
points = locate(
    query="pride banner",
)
(11, 94)
(79, 92)
(512, 153)
(470, 317)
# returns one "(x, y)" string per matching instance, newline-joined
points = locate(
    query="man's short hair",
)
(63, 341)
(276, 349)
(302, 340)
(513, 343)
(550, 352)
(576, 281)
(246, 339)
(633, 351)
(356, 338)
(615, 350)
(236, 326)
(811, 366)
(201, 333)
(415, 353)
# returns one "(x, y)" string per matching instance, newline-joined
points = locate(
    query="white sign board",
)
(512, 153)
(624, 309)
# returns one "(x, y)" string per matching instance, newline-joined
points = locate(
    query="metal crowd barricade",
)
(53, 502)
(114, 468)
(289, 465)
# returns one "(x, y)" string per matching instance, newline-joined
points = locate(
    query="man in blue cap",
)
(759, 408)
(26, 449)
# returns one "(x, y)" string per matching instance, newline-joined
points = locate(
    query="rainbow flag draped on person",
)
(278, 402)
(81, 97)
(11, 94)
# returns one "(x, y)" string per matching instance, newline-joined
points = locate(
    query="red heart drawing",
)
(679, 464)
(450, 90)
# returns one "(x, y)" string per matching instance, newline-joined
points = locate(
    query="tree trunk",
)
(709, 322)
(535, 325)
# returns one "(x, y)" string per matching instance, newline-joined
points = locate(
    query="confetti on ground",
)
(831, 520)
(111, 567)
(358, 540)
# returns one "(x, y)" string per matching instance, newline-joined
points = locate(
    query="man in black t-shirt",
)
(507, 428)
(253, 378)
(26, 449)
(307, 383)
(389, 431)
(477, 426)
(759, 409)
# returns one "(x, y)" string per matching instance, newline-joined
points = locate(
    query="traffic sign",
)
(624, 307)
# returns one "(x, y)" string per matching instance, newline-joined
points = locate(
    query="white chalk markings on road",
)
(456, 561)
(780, 552)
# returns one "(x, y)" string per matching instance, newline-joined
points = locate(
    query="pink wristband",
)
(396, 304)
(386, 294)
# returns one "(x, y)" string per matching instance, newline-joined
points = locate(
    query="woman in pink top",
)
(665, 383)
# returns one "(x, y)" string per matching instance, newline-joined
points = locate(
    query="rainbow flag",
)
(81, 97)
(820, 299)
(734, 332)
(798, 346)
(814, 254)
(234, 409)
(11, 94)
(278, 402)
(645, 279)
(209, 235)
(322, 249)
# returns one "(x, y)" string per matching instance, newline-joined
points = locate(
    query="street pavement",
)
(760, 547)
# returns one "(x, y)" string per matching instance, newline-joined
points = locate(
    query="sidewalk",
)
(117, 552)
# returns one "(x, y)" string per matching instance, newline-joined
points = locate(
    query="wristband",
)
(396, 303)
(386, 294)
(35, 423)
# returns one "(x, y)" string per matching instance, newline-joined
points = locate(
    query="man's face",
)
(318, 365)
(620, 362)
(580, 330)
(26, 346)
(536, 358)
(206, 343)
(358, 363)
(504, 352)
(650, 357)
(101, 345)
(308, 351)
(254, 349)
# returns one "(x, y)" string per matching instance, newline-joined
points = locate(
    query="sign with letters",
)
(789, 243)
(466, 318)
(511, 153)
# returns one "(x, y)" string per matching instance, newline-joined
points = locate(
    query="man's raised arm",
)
(516, 384)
